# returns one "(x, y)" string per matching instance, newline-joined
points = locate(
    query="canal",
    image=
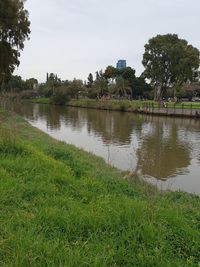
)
(164, 151)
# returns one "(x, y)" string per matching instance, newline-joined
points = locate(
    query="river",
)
(164, 151)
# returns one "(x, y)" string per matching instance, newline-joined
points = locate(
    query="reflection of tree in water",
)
(113, 127)
(46, 113)
(162, 153)
(74, 117)
(50, 114)
(162, 156)
(25, 109)
(53, 118)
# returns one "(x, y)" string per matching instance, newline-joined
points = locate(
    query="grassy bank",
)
(127, 105)
(61, 206)
(124, 105)
(121, 105)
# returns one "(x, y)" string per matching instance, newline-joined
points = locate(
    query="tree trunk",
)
(158, 92)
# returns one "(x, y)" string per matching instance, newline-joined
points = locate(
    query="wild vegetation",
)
(61, 206)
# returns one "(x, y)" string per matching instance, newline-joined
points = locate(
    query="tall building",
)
(121, 64)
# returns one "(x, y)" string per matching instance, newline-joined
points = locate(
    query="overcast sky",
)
(75, 37)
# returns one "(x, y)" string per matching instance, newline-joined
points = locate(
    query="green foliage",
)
(14, 30)
(61, 206)
(121, 87)
(15, 84)
(41, 100)
(90, 80)
(31, 84)
(127, 73)
(53, 81)
(75, 88)
(110, 72)
(141, 88)
(124, 83)
(61, 91)
(49, 88)
(169, 61)
(60, 96)
(45, 90)
(100, 87)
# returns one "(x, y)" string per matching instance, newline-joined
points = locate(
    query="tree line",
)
(111, 83)
(171, 67)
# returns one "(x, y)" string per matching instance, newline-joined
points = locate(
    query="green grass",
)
(41, 100)
(121, 105)
(61, 206)
(127, 105)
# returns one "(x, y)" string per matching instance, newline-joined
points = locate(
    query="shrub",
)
(60, 96)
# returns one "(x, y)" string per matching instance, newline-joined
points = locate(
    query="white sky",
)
(74, 38)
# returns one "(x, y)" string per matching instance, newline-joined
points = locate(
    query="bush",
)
(59, 97)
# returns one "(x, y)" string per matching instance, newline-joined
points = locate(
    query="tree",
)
(53, 81)
(75, 88)
(15, 84)
(14, 30)
(169, 62)
(100, 87)
(99, 75)
(60, 96)
(121, 87)
(141, 88)
(110, 73)
(90, 80)
(128, 74)
(31, 84)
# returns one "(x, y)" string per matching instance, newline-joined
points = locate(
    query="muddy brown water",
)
(162, 150)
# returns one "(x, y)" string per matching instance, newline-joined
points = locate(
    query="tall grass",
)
(61, 206)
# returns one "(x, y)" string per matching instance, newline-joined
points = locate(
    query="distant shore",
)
(184, 109)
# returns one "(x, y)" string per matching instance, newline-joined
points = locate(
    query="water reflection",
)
(155, 147)
(162, 154)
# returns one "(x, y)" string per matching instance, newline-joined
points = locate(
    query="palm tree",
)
(121, 87)
(101, 87)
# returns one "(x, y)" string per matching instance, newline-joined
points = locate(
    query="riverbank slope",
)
(61, 206)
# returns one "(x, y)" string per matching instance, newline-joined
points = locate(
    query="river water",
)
(164, 151)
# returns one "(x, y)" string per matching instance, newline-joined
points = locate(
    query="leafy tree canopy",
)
(15, 84)
(31, 84)
(128, 74)
(14, 30)
(169, 61)
(110, 72)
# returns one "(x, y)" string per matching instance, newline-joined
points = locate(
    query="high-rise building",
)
(121, 64)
